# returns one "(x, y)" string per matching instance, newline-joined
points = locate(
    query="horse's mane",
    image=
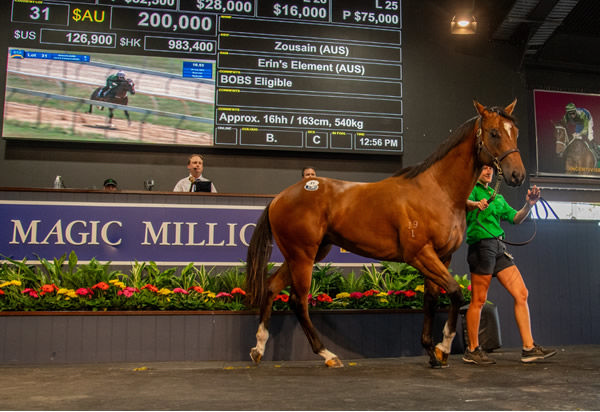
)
(451, 141)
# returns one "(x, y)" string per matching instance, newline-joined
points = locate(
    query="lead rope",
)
(493, 197)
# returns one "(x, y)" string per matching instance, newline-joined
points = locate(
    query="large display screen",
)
(566, 143)
(315, 75)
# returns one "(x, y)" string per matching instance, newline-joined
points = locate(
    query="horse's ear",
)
(509, 109)
(479, 107)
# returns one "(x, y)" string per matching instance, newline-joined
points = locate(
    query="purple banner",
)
(123, 233)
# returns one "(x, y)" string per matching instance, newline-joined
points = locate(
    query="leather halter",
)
(496, 160)
(481, 146)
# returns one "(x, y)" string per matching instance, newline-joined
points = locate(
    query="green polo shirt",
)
(490, 218)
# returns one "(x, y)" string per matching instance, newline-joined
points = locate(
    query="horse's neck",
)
(456, 173)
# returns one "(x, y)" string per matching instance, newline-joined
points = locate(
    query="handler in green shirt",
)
(487, 257)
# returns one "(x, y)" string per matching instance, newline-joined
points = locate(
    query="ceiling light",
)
(463, 25)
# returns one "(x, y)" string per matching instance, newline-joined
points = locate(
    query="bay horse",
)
(576, 152)
(416, 216)
(118, 95)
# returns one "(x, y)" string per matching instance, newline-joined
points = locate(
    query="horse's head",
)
(561, 138)
(131, 86)
(497, 136)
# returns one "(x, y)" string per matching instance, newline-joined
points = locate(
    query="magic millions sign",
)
(123, 233)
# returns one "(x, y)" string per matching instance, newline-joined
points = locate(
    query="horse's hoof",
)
(441, 357)
(255, 355)
(334, 363)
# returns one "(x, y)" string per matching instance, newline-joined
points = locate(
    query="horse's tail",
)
(259, 253)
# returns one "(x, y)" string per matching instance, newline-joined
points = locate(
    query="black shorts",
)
(488, 256)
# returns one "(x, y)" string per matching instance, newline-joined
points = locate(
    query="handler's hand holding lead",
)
(533, 195)
(483, 204)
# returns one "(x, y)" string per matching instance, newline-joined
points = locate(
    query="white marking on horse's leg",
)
(327, 355)
(446, 344)
(262, 335)
(331, 359)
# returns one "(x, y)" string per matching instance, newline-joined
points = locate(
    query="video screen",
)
(113, 98)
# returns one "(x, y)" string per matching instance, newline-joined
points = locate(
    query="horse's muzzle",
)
(515, 178)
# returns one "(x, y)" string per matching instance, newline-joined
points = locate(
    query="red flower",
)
(442, 291)
(410, 293)
(83, 291)
(469, 287)
(323, 297)
(238, 290)
(2, 292)
(150, 287)
(179, 290)
(197, 289)
(128, 291)
(356, 295)
(31, 292)
(224, 294)
(101, 285)
(49, 288)
(371, 292)
(282, 297)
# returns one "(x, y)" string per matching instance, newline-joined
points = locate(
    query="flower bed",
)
(63, 285)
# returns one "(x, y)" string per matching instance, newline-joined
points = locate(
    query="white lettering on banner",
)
(31, 230)
(213, 237)
(57, 235)
(243, 239)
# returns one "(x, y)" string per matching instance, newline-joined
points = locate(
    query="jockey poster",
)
(567, 143)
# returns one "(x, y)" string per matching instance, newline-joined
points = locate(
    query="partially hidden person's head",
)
(110, 185)
(309, 172)
(196, 165)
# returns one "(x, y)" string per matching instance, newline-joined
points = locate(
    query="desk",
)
(131, 196)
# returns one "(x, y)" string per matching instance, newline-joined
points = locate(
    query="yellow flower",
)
(164, 291)
(342, 295)
(381, 295)
(383, 300)
(69, 292)
(420, 288)
(120, 285)
(12, 282)
(211, 295)
(113, 281)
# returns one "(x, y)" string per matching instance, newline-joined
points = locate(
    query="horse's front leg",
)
(442, 349)
(430, 303)
(437, 272)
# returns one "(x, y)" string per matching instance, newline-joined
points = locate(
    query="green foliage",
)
(65, 284)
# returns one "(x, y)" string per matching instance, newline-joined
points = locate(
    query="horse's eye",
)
(494, 133)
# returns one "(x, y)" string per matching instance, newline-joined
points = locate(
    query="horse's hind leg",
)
(276, 284)
(301, 279)
(128, 119)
